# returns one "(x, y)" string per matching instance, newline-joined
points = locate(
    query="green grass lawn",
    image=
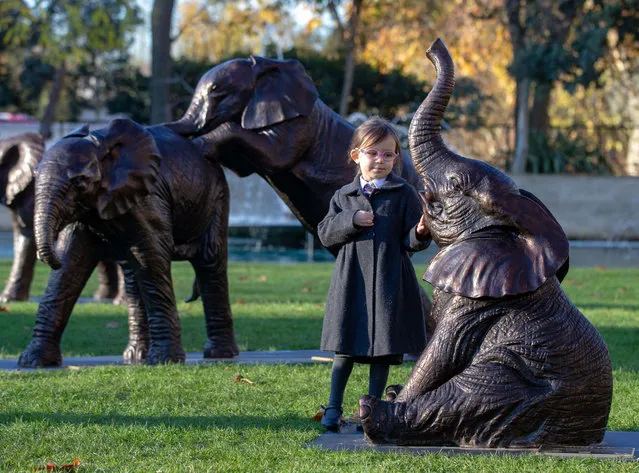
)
(196, 418)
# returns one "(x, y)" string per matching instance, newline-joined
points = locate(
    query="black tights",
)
(342, 368)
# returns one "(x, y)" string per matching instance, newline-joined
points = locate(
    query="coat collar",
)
(393, 181)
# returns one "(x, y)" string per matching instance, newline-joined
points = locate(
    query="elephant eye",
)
(435, 208)
(212, 87)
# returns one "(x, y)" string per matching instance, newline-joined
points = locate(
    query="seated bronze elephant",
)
(512, 361)
(144, 197)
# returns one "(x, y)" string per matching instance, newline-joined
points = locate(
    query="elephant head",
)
(254, 92)
(18, 157)
(495, 239)
(105, 172)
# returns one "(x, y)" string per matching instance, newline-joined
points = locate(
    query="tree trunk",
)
(161, 60)
(54, 96)
(632, 157)
(521, 141)
(348, 34)
(539, 116)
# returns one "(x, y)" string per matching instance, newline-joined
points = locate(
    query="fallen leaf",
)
(227, 368)
(53, 466)
(112, 325)
(570, 282)
(299, 308)
(262, 278)
(243, 278)
(73, 367)
(5, 308)
(596, 294)
(238, 378)
(353, 419)
(306, 289)
(324, 359)
(240, 301)
(601, 268)
(319, 414)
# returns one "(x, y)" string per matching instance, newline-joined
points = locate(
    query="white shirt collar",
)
(378, 182)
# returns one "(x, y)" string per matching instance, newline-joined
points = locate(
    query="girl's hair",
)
(373, 130)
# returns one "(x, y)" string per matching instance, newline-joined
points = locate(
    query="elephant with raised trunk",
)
(19, 155)
(145, 197)
(512, 361)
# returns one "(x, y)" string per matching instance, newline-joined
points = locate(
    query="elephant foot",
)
(105, 293)
(393, 391)
(135, 352)
(121, 299)
(40, 354)
(219, 347)
(165, 352)
(375, 416)
(14, 296)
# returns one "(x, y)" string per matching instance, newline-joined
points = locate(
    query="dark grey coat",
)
(374, 306)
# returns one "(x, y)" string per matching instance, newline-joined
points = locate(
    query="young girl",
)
(374, 311)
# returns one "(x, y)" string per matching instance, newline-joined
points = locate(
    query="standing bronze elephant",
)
(145, 197)
(264, 116)
(18, 157)
(512, 361)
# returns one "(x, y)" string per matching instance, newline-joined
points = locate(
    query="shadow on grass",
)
(603, 306)
(284, 422)
(622, 345)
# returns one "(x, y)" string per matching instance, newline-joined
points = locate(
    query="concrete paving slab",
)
(246, 357)
(615, 446)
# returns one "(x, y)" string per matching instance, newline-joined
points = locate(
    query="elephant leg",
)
(108, 281)
(489, 405)
(153, 275)
(210, 265)
(212, 281)
(138, 346)
(24, 258)
(78, 251)
(121, 297)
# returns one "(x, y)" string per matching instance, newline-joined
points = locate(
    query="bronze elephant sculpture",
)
(512, 361)
(145, 197)
(19, 155)
(264, 116)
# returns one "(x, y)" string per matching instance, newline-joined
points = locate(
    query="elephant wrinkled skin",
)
(512, 361)
(143, 196)
(19, 155)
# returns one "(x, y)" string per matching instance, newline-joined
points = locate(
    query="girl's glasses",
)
(373, 153)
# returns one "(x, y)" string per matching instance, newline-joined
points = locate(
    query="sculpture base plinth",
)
(615, 446)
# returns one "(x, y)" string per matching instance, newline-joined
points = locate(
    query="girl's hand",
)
(363, 218)
(422, 229)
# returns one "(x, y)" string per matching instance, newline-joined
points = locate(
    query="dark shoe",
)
(332, 418)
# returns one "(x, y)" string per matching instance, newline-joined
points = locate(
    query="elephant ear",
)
(507, 260)
(19, 156)
(131, 167)
(282, 91)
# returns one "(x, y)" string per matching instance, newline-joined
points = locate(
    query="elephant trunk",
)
(193, 121)
(49, 217)
(424, 134)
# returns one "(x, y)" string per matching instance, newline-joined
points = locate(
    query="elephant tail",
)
(195, 292)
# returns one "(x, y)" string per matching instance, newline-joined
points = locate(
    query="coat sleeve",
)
(337, 228)
(412, 214)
